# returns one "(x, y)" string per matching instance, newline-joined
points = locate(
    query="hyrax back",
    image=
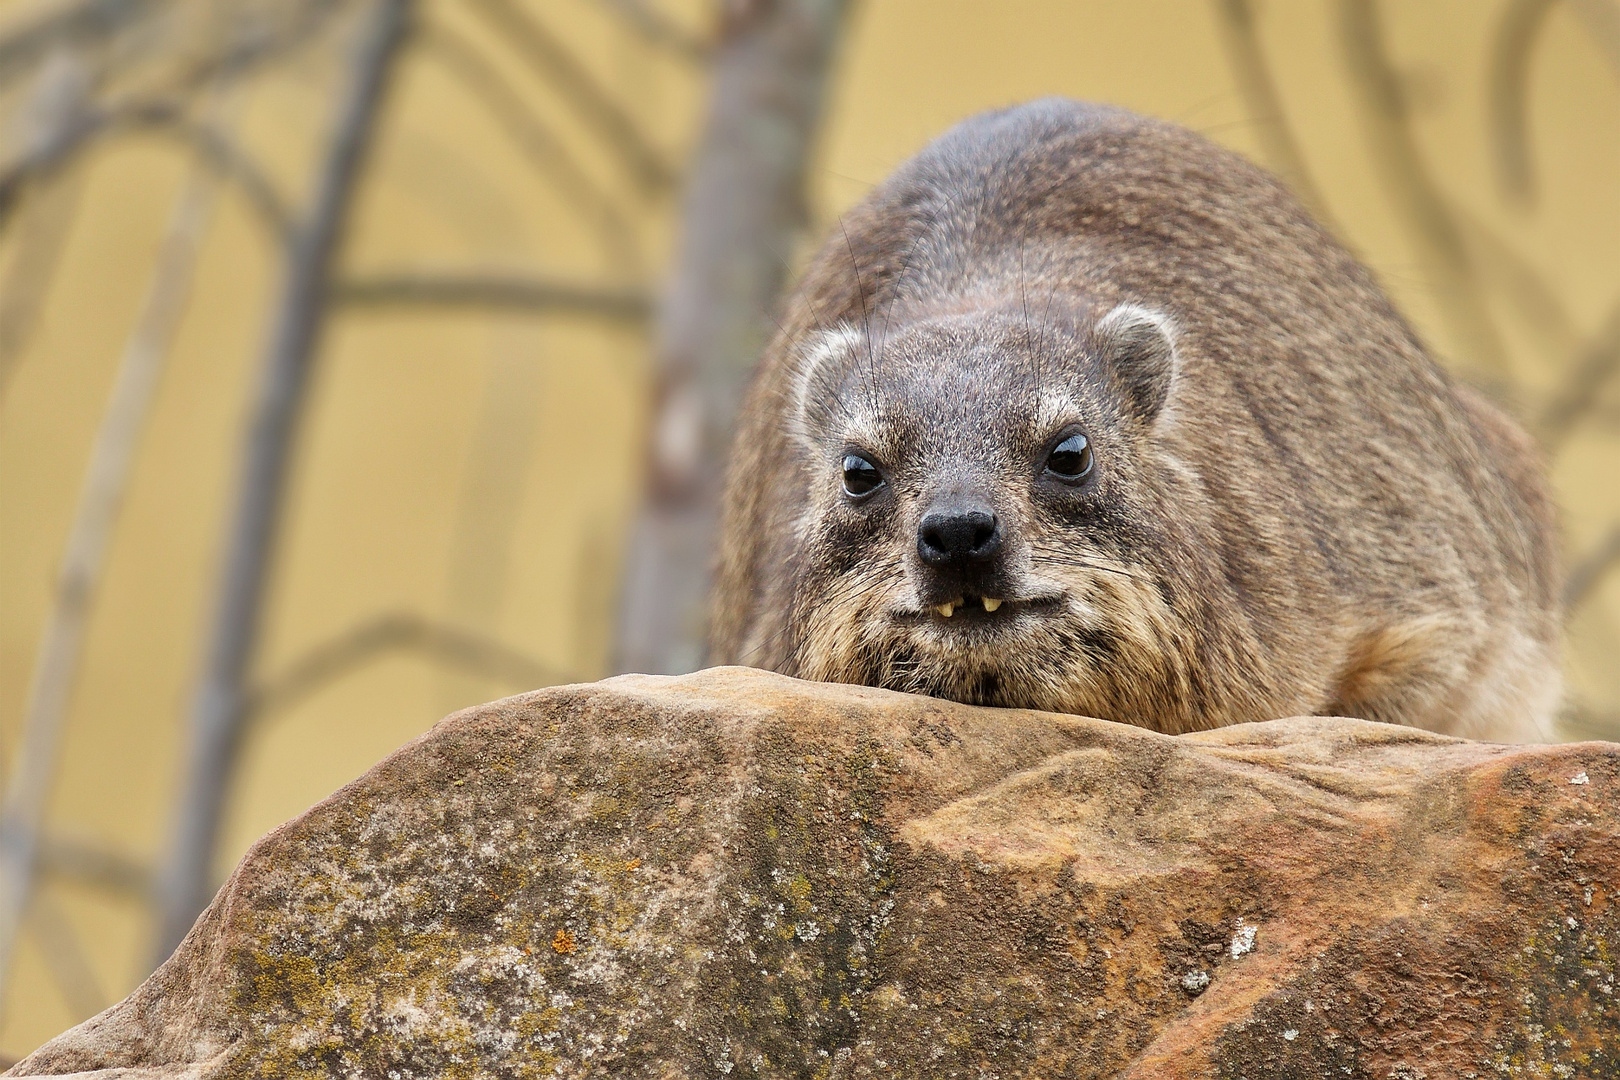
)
(1080, 412)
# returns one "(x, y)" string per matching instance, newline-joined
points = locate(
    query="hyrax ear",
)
(819, 365)
(1139, 344)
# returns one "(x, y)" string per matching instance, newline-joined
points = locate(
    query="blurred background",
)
(361, 360)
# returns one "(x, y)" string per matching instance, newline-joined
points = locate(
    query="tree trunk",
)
(744, 205)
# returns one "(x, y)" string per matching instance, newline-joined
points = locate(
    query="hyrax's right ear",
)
(1140, 345)
(819, 365)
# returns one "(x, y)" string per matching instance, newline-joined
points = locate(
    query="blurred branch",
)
(1541, 310)
(552, 61)
(744, 204)
(1597, 364)
(1508, 89)
(1583, 722)
(213, 148)
(1241, 35)
(659, 30)
(217, 712)
(501, 292)
(1601, 18)
(343, 655)
(41, 237)
(1507, 94)
(105, 483)
(543, 149)
(219, 152)
(89, 19)
(1388, 114)
(1585, 575)
(76, 123)
(66, 959)
(89, 864)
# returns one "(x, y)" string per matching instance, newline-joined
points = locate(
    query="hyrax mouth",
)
(983, 605)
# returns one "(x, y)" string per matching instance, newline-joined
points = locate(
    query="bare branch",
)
(1264, 104)
(71, 859)
(552, 61)
(1584, 722)
(1387, 113)
(1601, 19)
(1507, 86)
(1517, 32)
(497, 291)
(398, 632)
(66, 958)
(657, 29)
(41, 237)
(221, 153)
(216, 150)
(1598, 363)
(216, 718)
(1540, 307)
(543, 149)
(84, 21)
(105, 482)
(744, 204)
(1585, 575)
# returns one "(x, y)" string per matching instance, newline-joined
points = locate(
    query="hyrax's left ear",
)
(1139, 344)
(818, 366)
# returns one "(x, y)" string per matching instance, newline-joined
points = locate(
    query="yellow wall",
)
(478, 469)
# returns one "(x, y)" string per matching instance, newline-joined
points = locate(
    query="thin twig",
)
(105, 483)
(1259, 89)
(39, 243)
(216, 719)
(1506, 93)
(350, 651)
(1601, 20)
(1388, 115)
(536, 141)
(552, 61)
(88, 20)
(503, 292)
(1583, 722)
(1540, 307)
(72, 859)
(663, 32)
(66, 959)
(1598, 363)
(216, 150)
(1585, 575)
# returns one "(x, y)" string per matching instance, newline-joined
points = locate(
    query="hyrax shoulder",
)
(1080, 412)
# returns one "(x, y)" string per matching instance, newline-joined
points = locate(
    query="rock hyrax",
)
(1081, 412)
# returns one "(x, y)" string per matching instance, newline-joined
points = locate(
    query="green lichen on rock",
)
(739, 875)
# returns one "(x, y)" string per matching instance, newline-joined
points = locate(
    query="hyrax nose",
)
(960, 535)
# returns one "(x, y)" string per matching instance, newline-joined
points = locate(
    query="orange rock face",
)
(737, 874)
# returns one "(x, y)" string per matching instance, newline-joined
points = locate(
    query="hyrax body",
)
(1080, 412)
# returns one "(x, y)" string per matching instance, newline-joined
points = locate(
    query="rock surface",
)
(737, 874)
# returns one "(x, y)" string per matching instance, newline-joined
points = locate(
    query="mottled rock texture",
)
(737, 874)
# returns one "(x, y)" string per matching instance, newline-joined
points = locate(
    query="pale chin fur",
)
(881, 643)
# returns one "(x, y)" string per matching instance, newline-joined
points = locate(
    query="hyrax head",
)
(978, 522)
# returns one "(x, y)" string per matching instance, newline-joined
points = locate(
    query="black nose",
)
(958, 535)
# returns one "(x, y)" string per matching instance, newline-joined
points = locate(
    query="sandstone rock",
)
(736, 874)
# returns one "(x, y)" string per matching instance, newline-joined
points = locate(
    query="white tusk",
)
(946, 609)
(991, 605)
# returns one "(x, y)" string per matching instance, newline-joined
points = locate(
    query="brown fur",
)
(1292, 509)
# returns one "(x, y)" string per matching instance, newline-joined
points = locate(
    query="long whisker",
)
(866, 318)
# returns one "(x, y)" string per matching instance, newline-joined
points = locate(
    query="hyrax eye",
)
(861, 477)
(1071, 458)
